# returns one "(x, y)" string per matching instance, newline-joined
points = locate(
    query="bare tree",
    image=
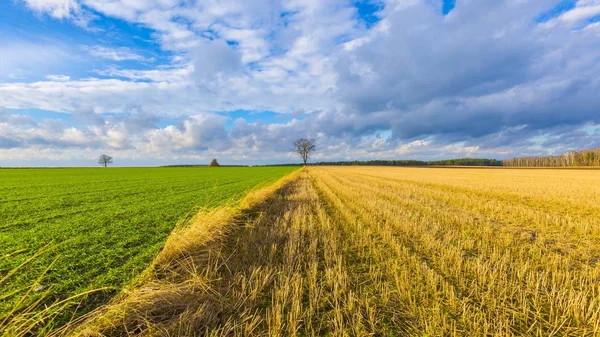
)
(105, 160)
(304, 147)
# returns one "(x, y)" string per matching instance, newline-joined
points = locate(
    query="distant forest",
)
(447, 162)
(567, 159)
(202, 165)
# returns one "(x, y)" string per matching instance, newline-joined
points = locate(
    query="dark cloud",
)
(140, 121)
(8, 143)
(215, 58)
(88, 116)
(483, 70)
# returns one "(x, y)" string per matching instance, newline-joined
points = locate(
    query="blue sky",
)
(169, 81)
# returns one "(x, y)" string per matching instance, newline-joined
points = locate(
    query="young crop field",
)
(79, 229)
(372, 251)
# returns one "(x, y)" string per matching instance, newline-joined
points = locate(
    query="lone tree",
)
(105, 160)
(304, 147)
(214, 162)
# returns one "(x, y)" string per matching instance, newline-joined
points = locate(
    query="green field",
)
(102, 226)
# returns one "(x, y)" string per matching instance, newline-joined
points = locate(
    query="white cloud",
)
(177, 74)
(58, 78)
(577, 17)
(198, 133)
(115, 54)
(580, 13)
(60, 9)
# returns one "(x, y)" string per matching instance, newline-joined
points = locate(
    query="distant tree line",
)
(372, 163)
(567, 159)
(203, 165)
(467, 162)
(447, 162)
(288, 164)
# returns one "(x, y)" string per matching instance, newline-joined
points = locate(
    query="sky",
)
(156, 82)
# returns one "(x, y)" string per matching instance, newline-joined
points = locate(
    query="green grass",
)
(105, 225)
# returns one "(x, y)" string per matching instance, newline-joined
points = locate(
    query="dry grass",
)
(30, 315)
(380, 252)
(469, 252)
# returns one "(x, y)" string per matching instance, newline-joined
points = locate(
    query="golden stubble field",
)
(375, 251)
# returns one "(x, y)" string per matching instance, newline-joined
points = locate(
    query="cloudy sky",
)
(153, 82)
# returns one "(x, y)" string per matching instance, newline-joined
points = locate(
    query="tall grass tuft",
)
(31, 315)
